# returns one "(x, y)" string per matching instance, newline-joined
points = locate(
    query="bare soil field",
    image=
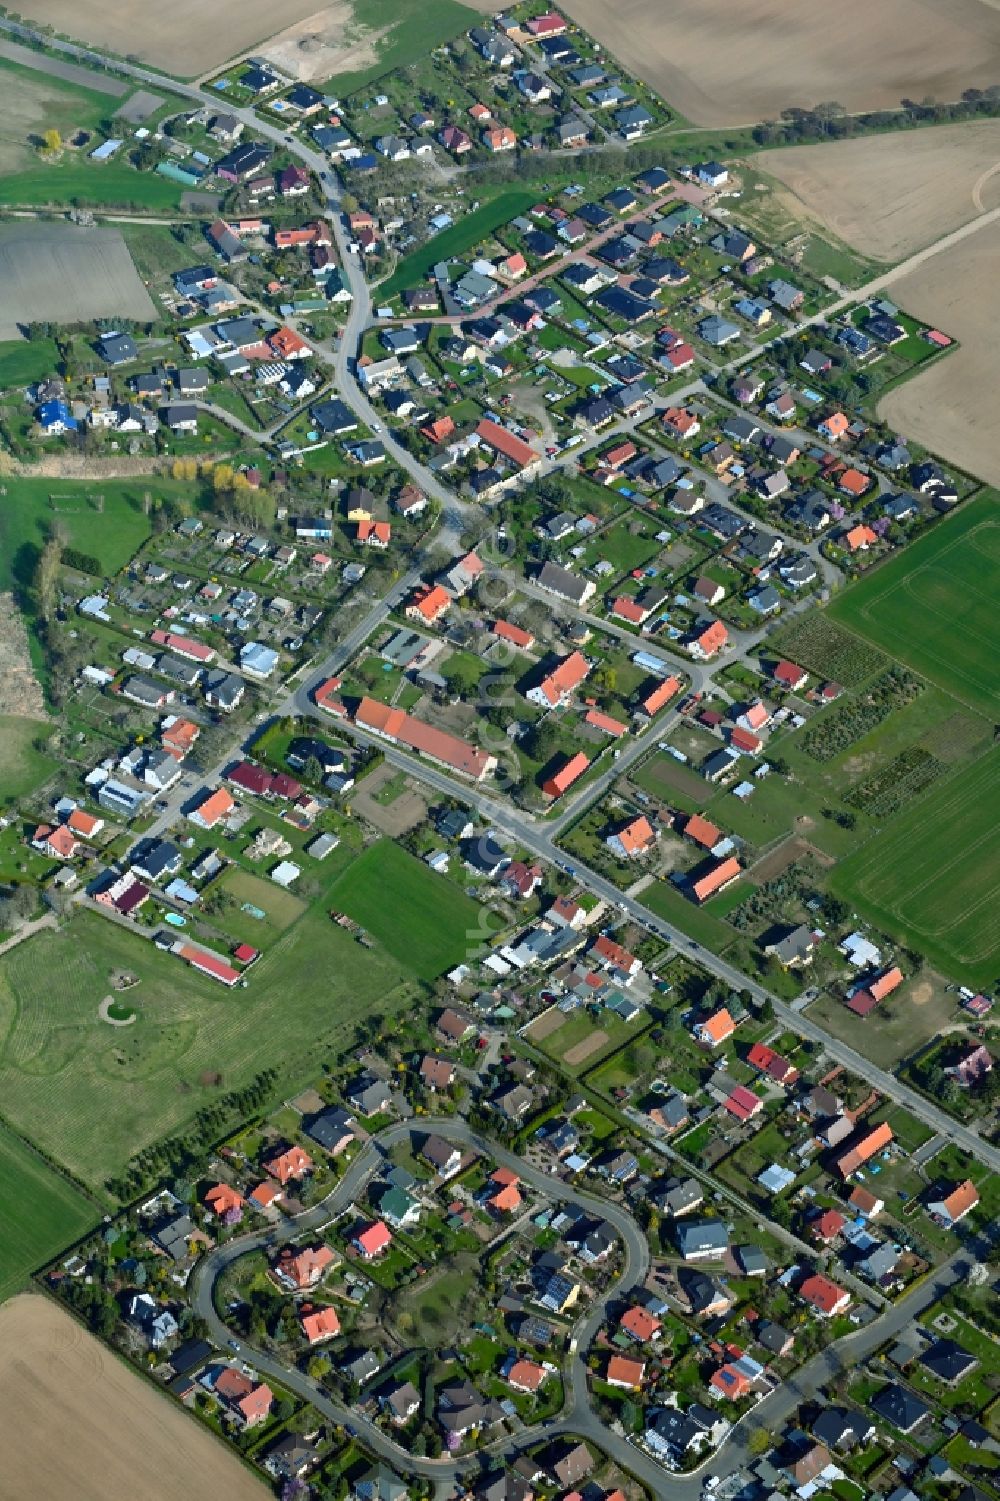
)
(545, 1025)
(117, 1437)
(891, 195)
(66, 274)
(786, 854)
(322, 45)
(583, 1050)
(951, 408)
(180, 38)
(724, 64)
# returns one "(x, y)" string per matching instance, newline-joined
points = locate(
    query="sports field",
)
(42, 1213)
(933, 876)
(421, 918)
(32, 507)
(934, 605)
(92, 1095)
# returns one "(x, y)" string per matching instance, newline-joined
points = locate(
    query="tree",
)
(760, 1441)
(52, 139)
(542, 741)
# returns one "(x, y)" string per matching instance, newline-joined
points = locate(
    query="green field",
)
(22, 767)
(409, 29)
(454, 242)
(934, 605)
(933, 876)
(22, 362)
(88, 184)
(112, 536)
(423, 920)
(42, 1213)
(91, 1095)
(281, 907)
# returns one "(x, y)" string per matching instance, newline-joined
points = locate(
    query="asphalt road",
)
(539, 839)
(576, 1415)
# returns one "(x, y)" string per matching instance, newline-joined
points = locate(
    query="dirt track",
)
(890, 195)
(80, 1426)
(720, 63)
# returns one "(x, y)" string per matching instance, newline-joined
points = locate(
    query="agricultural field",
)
(934, 605)
(419, 917)
(454, 242)
(949, 408)
(337, 43)
(65, 273)
(932, 877)
(720, 66)
(53, 1374)
(817, 644)
(42, 1213)
(91, 1095)
(889, 195)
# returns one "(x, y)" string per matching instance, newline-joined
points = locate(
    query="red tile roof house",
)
(437, 1073)
(572, 768)
(374, 1240)
(824, 1295)
(789, 676)
(524, 1375)
(318, 1323)
(730, 1382)
(507, 444)
(956, 1204)
(224, 1203)
(501, 1192)
(628, 609)
(625, 1372)
(183, 646)
(248, 1403)
(558, 686)
(290, 1165)
(428, 603)
(83, 824)
(304, 1270)
(633, 839)
(867, 997)
(415, 734)
(827, 1226)
(514, 634)
(861, 1149)
(604, 722)
(743, 1103)
(658, 698)
(768, 1062)
(715, 1029)
(721, 875)
(639, 1324)
(708, 641)
(58, 843)
(613, 957)
(973, 1067)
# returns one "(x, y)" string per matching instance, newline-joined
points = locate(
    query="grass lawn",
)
(23, 361)
(42, 1213)
(92, 1095)
(281, 908)
(22, 767)
(667, 902)
(462, 236)
(422, 920)
(933, 876)
(890, 1034)
(933, 605)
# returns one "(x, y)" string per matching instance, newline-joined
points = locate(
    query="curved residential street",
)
(577, 1418)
